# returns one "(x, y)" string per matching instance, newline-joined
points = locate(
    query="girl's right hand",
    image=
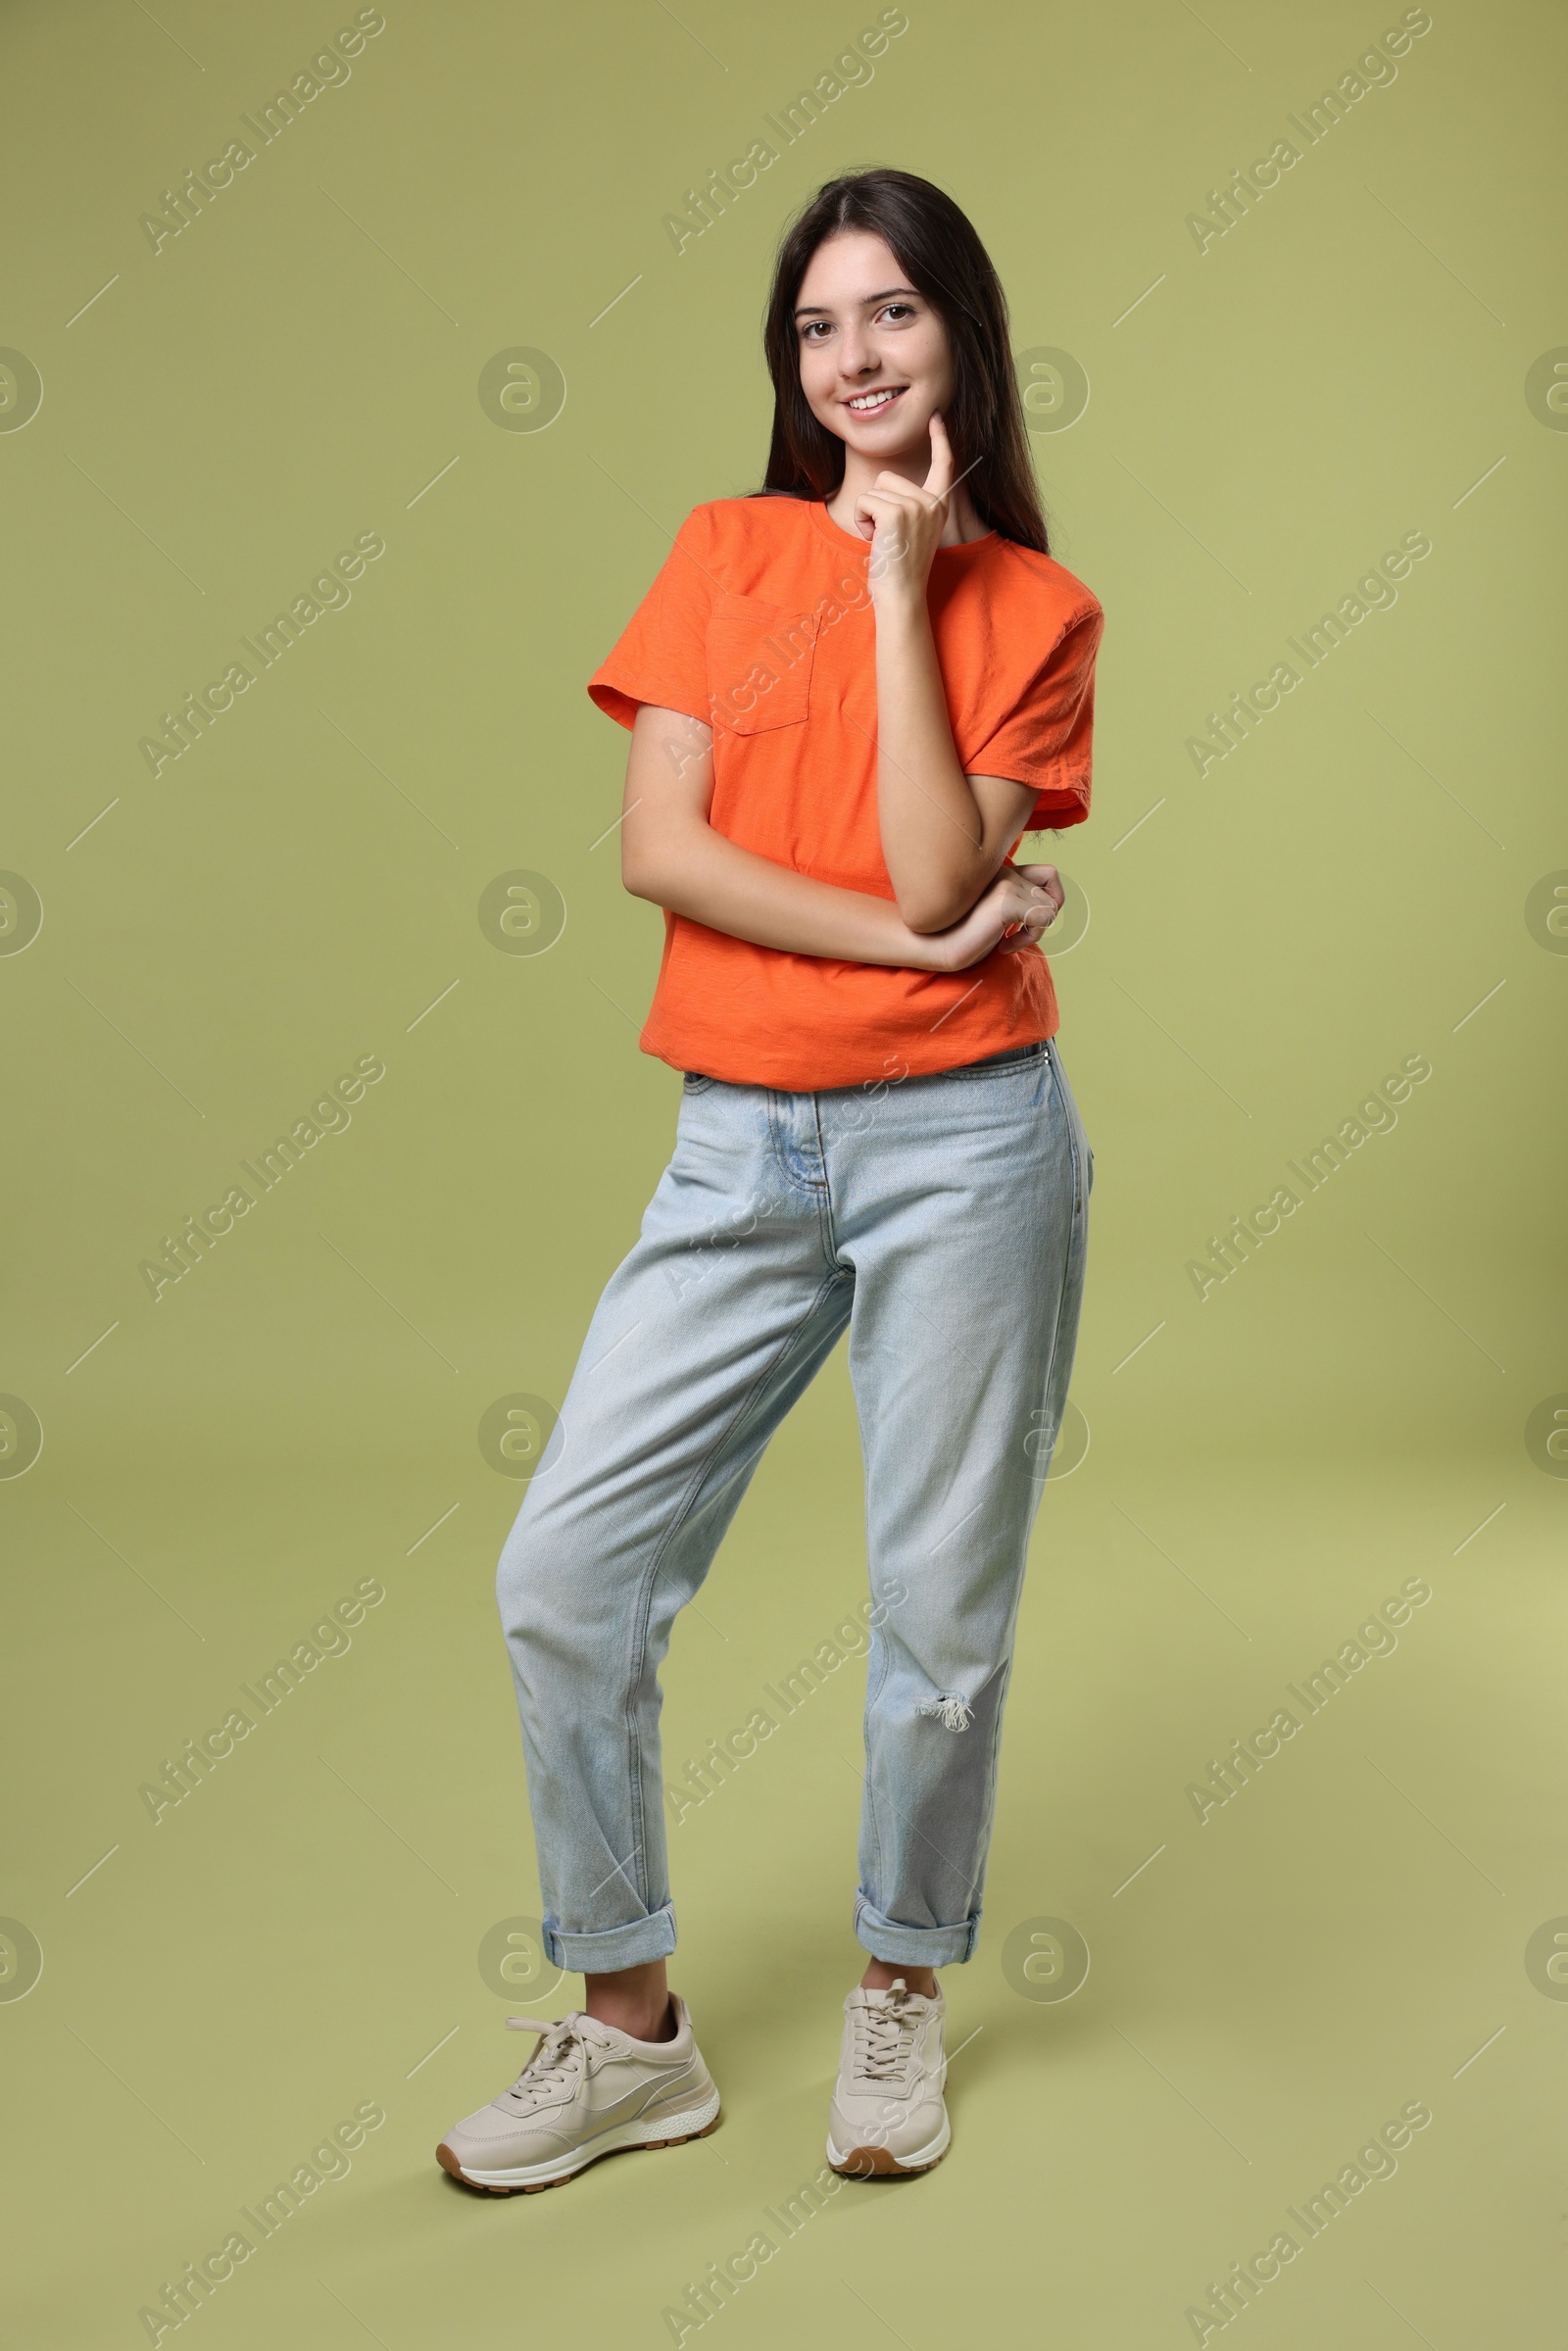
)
(1030, 896)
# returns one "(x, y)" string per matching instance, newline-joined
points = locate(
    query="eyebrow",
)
(817, 310)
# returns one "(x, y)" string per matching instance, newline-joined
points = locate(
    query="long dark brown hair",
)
(937, 250)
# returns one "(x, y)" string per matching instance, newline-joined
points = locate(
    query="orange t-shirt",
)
(761, 625)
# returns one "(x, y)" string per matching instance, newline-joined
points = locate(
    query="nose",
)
(857, 357)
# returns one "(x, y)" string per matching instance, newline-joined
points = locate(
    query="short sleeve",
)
(661, 656)
(1047, 738)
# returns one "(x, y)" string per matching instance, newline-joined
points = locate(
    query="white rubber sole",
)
(879, 2163)
(663, 2130)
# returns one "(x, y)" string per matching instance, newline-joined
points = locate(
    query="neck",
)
(860, 472)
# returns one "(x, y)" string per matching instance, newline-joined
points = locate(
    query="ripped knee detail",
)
(952, 1713)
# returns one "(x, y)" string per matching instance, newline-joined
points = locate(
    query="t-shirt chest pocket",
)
(758, 664)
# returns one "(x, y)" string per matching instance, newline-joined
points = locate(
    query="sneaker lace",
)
(557, 2062)
(884, 2036)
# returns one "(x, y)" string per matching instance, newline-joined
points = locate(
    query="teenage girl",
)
(850, 695)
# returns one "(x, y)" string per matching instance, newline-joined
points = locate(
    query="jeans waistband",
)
(1040, 1051)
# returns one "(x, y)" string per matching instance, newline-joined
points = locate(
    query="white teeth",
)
(872, 400)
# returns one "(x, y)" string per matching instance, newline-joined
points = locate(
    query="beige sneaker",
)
(887, 2113)
(587, 2090)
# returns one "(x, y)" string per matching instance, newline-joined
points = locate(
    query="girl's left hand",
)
(905, 521)
(1022, 901)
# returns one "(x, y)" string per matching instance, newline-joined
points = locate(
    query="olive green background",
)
(301, 1411)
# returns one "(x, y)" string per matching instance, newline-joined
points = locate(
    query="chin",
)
(883, 447)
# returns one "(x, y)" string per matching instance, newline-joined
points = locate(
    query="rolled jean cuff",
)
(640, 1939)
(918, 1946)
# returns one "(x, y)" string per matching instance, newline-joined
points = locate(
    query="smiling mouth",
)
(872, 403)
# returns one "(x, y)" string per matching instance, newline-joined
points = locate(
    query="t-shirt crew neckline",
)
(841, 537)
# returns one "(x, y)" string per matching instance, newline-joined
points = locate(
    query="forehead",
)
(847, 268)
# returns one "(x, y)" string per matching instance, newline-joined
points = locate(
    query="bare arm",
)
(671, 854)
(943, 834)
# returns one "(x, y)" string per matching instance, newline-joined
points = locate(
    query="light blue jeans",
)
(943, 1219)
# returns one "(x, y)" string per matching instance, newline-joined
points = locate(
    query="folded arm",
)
(671, 854)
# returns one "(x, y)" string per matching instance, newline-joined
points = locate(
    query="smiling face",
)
(875, 363)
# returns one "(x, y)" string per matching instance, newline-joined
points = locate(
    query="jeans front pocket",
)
(758, 664)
